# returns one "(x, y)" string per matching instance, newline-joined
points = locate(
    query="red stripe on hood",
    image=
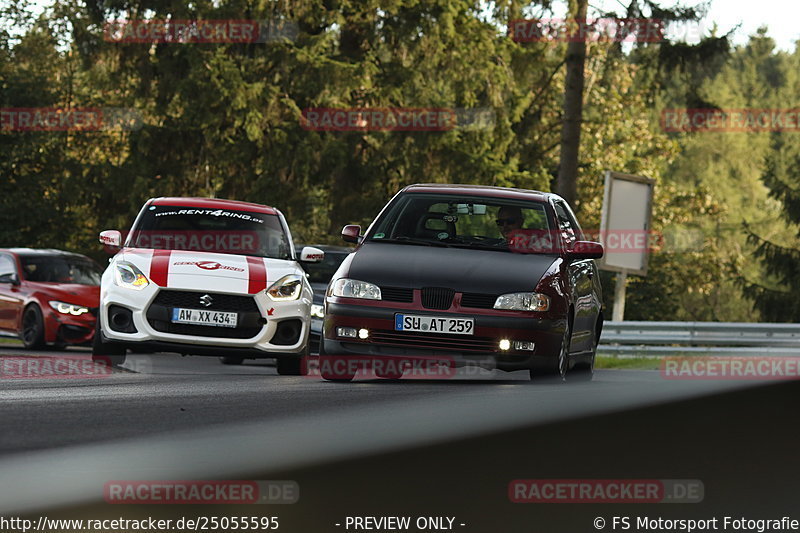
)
(256, 275)
(159, 267)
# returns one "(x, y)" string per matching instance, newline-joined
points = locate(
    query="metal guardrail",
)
(629, 338)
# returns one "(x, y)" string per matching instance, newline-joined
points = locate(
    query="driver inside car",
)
(509, 218)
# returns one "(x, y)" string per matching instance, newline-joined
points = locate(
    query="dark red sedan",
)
(462, 275)
(48, 296)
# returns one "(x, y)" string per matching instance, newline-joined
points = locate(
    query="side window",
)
(566, 226)
(7, 265)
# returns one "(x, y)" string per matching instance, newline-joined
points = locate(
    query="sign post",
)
(626, 216)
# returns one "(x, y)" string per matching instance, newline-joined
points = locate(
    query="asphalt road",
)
(162, 416)
(47, 406)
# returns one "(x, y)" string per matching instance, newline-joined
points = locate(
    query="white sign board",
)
(625, 223)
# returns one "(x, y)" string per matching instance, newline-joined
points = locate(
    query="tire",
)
(585, 372)
(231, 360)
(33, 328)
(294, 364)
(108, 360)
(389, 374)
(325, 366)
(106, 352)
(289, 366)
(326, 371)
(336, 377)
(559, 373)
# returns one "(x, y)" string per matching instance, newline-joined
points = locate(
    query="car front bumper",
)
(68, 329)
(149, 319)
(482, 348)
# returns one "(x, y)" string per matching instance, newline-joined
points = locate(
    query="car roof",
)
(480, 190)
(42, 252)
(214, 203)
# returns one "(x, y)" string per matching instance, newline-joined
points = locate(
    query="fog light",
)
(505, 344)
(527, 346)
(121, 319)
(363, 333)
(346, 332)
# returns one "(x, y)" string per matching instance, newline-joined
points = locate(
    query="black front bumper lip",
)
(547, 333)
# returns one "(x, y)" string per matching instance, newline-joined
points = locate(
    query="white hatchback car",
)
(203, 276)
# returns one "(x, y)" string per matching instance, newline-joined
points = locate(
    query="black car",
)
(319, 275)
(466, 275)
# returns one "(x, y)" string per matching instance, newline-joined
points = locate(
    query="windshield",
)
(211, 230)
(465, 221)
(323, 271)
(60, 269)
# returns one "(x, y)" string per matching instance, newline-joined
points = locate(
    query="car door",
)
(10, 298)
(581, 281)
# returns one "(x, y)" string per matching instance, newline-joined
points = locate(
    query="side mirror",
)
(351, 233)
(9, 278)
(585, 250)
(112, 239)
(309, 254)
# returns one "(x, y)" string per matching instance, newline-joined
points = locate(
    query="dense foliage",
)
(224, 120)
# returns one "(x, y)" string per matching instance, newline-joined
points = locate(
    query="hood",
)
(475, 271)
(71, 293)
(178, 269)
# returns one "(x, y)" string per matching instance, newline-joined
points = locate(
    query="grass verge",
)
(631, 363)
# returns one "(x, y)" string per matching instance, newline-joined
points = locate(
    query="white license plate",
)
(204, 318)
(434, 324)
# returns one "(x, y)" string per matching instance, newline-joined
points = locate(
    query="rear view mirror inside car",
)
(471, 209)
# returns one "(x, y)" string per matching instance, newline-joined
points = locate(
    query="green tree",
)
(777, 295)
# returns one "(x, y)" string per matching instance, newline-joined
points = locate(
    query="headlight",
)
(523, 301)
(287, 288)
(69, 309)
(128, 276)
(352, 288)
(317, 311)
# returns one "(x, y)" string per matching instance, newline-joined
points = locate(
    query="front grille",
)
(437, 298)
(204, 331)
(397, 294)
(69, 332)
(250, 321)
(220, 302)
(458, 343)
(482, 301)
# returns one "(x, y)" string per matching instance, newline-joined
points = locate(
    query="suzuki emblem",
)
(206, 300)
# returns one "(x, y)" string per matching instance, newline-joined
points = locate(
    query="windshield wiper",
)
(410, 240)
(476, 246)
